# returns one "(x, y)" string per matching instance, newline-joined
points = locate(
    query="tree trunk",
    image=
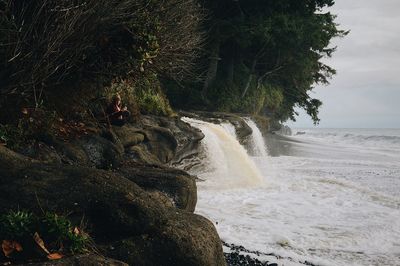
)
(212, 67)
(250, 79)
(230, 70)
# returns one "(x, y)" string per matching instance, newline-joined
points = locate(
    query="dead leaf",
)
(17, 246)
(40, 242)
(76, 231)
(55, 256)
(9, 247)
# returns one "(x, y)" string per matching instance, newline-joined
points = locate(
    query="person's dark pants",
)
(120, 122)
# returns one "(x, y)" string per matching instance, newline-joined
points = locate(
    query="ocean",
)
(320, 196)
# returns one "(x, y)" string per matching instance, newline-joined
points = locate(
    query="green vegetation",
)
(16, 225)
(265, 56)
(53, 233)
(142, 96)
(58, 229)
(254, 56)
(62, 54)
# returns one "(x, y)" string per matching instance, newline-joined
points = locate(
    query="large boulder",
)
(141, 154)
(42, 152)
(116, 209)
(128, 135)
(192, 235)
(92, 150)
(161, 142)
(187, 137)
(177, 185)
(100, 152)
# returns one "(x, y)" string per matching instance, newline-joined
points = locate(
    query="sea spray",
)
(328, 201)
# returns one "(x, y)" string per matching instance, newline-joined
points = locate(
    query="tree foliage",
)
(256, 45)
(62, 48)
(260, 56)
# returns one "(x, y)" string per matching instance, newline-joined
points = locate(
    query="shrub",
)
(154, 103)
(141, 96)
(16, 225)
(58, 229)
(49, 232)
(51, 49)
(33, 124)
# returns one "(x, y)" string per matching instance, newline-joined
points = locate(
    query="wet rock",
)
(236, 259)
(116, 209)
(166, 140)
(140, 154)
(239, 256)
(101, 153)
(91, 150)
(191, 235)
(160, 142)
(71, 153)
(241, 127)
(42, 152)
(177, 185)
(187, 137)
(128, 135)
(284, 130)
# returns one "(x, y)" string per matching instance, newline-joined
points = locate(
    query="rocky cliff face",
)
(241, 127)
(138, 209)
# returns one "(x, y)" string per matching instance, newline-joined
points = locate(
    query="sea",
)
(317, 197)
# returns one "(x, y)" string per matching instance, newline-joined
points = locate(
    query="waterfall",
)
(257, 140)
(227, 164)
(229, 128)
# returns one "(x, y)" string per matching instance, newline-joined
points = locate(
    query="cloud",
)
(366, 90)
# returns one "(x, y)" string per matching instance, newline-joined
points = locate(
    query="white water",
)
(330, 197)
(257, 140)
(227, 164)
(229, 128)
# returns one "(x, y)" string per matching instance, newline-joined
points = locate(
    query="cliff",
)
(137, 209)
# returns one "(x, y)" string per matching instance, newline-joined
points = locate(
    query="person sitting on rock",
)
(116, 114)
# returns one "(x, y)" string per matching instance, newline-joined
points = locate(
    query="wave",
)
(370, 137)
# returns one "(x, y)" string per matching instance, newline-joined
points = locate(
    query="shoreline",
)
(139, 210)
(239, 255)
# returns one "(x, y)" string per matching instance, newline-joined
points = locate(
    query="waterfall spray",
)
(257, 139)
(228, 164)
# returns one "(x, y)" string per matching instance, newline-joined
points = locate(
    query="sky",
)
(365, 93)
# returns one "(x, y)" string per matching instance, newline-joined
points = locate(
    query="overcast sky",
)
(366, 91)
